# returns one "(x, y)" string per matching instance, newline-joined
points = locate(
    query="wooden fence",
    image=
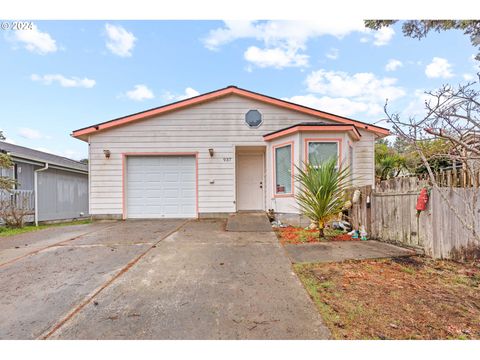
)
(389, 214)
(457, 178)
(21, 198)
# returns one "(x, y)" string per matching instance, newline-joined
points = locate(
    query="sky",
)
(58, 76)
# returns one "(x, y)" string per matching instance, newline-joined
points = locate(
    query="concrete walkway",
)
(337, 251)
(248, 222)
(157, 279)
(203, 282)
(67, 265)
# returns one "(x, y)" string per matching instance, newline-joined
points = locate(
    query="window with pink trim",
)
(321, 151)
(283, 170)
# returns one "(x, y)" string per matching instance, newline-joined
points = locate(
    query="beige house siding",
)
(218, 124)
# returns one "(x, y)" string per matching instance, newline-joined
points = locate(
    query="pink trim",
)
(300, 128)
(292, 167)
(124, 157)
(223, 92)
(336, 140)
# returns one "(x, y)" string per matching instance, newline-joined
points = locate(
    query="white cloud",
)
(339, 106)
(416, 106)
(359, 85)
(284, 40)
(139, 93)
(120, 41)
(333, 54)
(383, 36)
(468, 77)
(35, 40)
(188, 93)
(63, 81)
(379, 37)
(31, 134)
(393, 64)
(275, 57)
(439, 68)
(344, 94)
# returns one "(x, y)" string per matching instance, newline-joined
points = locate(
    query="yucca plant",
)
(320, 195)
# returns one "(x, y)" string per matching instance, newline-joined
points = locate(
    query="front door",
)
(250, 183)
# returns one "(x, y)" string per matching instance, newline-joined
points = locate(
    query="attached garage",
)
(160, 186)
(196, 157)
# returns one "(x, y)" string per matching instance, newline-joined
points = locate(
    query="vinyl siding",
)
(218, 124)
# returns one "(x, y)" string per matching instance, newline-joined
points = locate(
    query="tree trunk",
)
(321, 234)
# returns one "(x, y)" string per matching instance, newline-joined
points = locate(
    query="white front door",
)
(250, 182)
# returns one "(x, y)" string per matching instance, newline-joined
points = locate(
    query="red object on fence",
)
(422, 200)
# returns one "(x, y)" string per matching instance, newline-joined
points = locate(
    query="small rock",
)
(395, 326)
(222, 263)
(95, 303)
(17, 247)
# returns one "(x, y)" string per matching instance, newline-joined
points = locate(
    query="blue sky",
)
(63, 75)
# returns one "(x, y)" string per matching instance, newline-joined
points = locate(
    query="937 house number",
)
(227, 159)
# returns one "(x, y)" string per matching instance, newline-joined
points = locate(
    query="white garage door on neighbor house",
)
(161, 187)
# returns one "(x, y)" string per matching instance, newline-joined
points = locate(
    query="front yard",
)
(299, 235)
(8, 231)
(398, 298)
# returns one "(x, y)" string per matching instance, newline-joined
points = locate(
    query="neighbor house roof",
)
(314, 126)
(84, 132)
(23, 153)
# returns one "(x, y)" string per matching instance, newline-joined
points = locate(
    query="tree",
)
(452, 124)
(419, 29)
(452, 116)
(321, 191)
(6, 183)
(388, 161)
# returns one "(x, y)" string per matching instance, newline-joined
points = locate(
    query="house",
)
(218, 153)
(54, 187)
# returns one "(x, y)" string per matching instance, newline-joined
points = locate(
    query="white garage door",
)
(161, 187)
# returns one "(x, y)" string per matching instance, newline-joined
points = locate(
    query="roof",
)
(84, 132)
(313, 126)
(21, 152)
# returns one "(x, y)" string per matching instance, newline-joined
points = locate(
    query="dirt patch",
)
(298, 235)
(399, 298)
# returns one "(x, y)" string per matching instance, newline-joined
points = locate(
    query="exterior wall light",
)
(107, 154)
(210, 151)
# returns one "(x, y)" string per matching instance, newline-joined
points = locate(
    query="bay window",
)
(283, 170)
(321, 151)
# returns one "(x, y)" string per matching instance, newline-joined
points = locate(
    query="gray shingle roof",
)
(40, 156)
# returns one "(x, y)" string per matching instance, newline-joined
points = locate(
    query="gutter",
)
(35, 181)
(34, 161)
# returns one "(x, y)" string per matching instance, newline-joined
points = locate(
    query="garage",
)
(161, 186)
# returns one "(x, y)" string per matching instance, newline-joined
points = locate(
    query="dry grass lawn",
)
(401, 298)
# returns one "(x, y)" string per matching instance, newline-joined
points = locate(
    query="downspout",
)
(35, 190)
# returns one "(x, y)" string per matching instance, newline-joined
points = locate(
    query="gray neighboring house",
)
(55, 187)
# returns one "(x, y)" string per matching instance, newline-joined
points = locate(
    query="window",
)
(350, 161)
(319, 152)
(253, 118)
(283, 170)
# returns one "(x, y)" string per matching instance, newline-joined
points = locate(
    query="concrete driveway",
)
(159, 279)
